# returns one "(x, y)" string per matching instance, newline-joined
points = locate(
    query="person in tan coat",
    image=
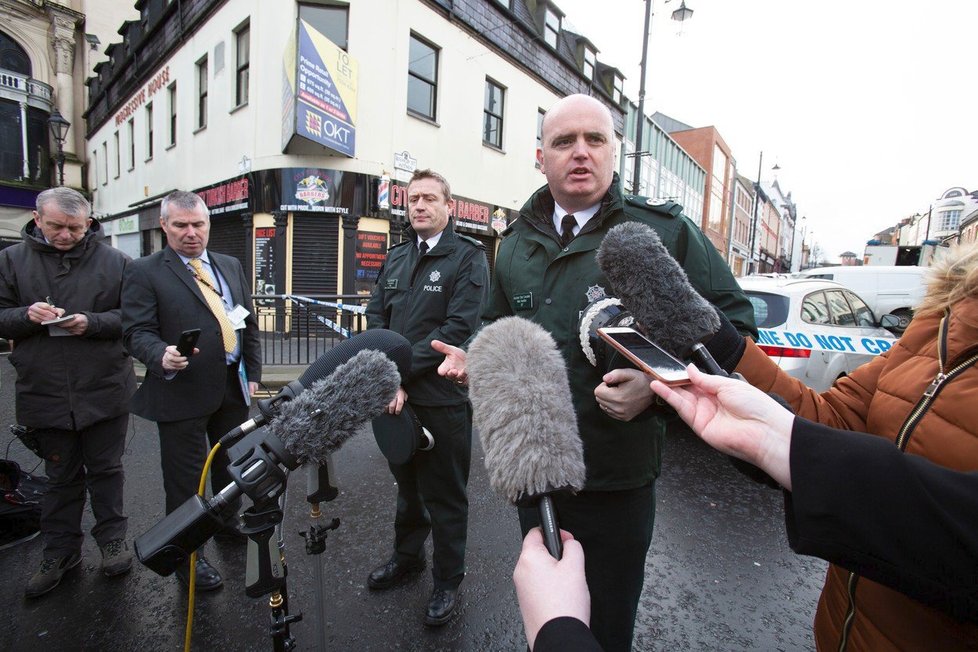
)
(921, 395)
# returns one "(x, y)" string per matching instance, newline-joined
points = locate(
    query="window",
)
(840, 310)
(551, 27)
(242, 58)
(202, 93)
(864, 316)
(815, 309)
(131, 132)
(149, 131)
(105, 163)
(492, 129)
(589, 63)
(540, 115)
(331, 21)
(118, 165)
(617, 90)
(95, 168)
(422, 89)
(171, 92)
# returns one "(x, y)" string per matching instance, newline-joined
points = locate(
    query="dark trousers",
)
(184, 447)
(615, 530)
(77, 460)
(431, 494)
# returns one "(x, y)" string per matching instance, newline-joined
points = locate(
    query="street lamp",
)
(680, 15)
(754, 264)
(59, 129)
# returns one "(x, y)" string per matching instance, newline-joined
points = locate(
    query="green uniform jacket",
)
(537, 280)
(438, 297)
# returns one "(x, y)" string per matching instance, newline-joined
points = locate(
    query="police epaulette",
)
(402, 242)
(663, 206)
(470, 240)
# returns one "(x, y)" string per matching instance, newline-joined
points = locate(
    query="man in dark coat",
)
(195, 400)
(545, 271)
(74, 378)
(432, 286)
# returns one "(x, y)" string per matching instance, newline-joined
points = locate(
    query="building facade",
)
(300, 122)
(708, 148)
(47, 49)
(667, 170)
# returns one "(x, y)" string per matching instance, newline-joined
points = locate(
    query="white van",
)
(887, 289)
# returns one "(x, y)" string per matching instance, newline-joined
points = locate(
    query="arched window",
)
(28, 162)
(13, 57)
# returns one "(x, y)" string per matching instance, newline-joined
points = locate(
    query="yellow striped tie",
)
(216, 305)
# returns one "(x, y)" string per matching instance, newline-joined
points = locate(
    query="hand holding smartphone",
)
(188, 339)
(646, 355)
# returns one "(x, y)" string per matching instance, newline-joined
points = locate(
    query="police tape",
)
(355, 309)
(825, 341)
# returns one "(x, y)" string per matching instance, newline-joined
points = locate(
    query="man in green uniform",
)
(545, 271)
(434, 285)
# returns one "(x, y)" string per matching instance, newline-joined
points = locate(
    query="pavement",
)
(719, 574)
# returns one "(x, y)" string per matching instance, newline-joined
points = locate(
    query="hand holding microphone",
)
(548, 588)
(735, 418)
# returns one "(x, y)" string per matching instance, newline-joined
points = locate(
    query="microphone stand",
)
(266, 570)
(319, 489)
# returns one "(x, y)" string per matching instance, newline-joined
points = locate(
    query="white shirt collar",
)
(186, 259)
(432, 241)
(582, 217)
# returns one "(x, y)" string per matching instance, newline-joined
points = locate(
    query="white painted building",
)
(197, 98)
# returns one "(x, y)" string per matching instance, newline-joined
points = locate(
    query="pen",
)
(49, 301)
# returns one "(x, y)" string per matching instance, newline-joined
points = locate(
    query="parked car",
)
(894, 289)
(816, 330)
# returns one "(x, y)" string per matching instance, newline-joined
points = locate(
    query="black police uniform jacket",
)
(438, 296)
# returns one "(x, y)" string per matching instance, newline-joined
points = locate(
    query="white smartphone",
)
(646, 354)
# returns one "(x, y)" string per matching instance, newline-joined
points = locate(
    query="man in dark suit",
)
(180, 288)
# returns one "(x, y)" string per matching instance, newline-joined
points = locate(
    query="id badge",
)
(237, 317)
(523, 301)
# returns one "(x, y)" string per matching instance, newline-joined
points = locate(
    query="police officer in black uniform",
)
(433, 285)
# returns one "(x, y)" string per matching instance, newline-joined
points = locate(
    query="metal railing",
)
(296, 330)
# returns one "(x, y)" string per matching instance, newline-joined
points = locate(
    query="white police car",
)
(816, 330)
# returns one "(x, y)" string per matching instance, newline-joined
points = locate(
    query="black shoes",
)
(388, 575)
(441, 606)
(208, 579)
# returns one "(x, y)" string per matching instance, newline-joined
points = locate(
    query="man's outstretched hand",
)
(453, 366)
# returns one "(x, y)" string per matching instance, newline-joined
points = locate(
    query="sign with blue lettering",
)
(325, 93)
(825, 341)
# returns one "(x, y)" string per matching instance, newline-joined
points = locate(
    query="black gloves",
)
(727, 345)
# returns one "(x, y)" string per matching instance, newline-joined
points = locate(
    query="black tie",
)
(567, 225)
(423, 247)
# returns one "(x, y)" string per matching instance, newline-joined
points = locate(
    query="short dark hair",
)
(183, 200)
(69, 201)
(428, 173)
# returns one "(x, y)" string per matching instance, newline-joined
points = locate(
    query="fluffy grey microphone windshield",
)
(333, 409)
(522, 407)
(652, 285)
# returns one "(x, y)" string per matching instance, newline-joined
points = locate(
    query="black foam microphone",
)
(653, 286)
(522, 407)
(392, 344)
(308, 428)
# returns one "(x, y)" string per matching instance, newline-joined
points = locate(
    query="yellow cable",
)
(193, 556)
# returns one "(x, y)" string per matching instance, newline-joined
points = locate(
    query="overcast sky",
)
(867, 106)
